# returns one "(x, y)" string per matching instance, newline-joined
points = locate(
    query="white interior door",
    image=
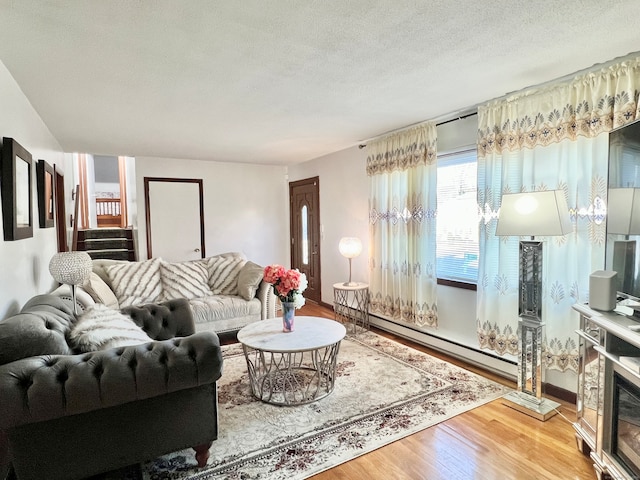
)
(174, 219)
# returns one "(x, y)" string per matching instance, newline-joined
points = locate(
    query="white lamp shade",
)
(535, 213)
(71, 268)
(623, 211)
(350, 247)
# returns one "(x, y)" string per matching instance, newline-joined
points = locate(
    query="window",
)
(457, 217)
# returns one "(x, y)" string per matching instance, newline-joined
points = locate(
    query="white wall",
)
(112, 188)
(344, 212)
(245, 206)
(25, 263)
(132, 191)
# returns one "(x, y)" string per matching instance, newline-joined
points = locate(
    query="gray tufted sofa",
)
(72, 415)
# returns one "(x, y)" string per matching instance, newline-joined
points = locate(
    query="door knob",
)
(196, 250)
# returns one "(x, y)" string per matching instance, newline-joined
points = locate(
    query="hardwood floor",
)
(490, 442)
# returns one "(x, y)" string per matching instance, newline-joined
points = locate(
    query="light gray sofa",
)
(69, 415)
(226, 292)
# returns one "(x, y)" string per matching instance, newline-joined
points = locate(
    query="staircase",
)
(108, 243)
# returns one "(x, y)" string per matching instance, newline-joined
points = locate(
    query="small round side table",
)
(351, 305)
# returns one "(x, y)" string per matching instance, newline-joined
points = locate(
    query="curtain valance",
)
(403, 150)
(591, 104)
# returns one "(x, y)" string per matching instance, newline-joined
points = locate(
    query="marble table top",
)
(309, 333)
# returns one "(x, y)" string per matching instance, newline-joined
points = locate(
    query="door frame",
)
(60, 210)
(147, 205)
(307, 181)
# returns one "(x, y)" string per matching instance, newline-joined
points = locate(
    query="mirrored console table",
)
(608, 398)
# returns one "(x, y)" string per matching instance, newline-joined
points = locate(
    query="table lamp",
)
(71, 268)
(530, 214)
(350, 247)
(623, 218)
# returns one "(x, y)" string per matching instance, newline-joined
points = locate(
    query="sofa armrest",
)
(164, 320)
(267, 299)
(83, 299)
(51, 386)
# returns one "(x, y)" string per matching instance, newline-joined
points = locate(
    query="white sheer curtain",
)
(553, 138)
(402, 205)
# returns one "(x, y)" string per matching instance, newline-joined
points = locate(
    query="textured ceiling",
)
(284, 81)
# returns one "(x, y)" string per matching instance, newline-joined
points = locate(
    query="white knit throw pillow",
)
(136, 283)
(224, 271)
(101, 328)
(184, 280)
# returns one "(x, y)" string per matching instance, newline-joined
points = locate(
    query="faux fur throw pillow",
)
(101, 328)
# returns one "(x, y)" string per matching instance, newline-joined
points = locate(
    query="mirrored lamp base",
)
(542, 409)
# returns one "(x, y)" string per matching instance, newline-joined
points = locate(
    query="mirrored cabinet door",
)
(589, 379)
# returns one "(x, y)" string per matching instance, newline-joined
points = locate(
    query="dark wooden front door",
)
(304, 201)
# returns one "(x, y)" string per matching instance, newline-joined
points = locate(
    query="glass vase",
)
(288, 316)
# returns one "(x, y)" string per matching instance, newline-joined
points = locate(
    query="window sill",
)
(457, 284)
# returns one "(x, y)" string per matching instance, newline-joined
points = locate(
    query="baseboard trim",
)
(500, 366)
(560, 393)
(326, 305)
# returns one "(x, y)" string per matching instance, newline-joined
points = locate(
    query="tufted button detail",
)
(50, 362)
(193, 354)
(63, 376)
(149, 346)
(47, 324)
(176, 342)
(133, 363)
(25, 382)
(119, 352)
(98, 370)
(87, 357)
(163, 358)
(164, 323)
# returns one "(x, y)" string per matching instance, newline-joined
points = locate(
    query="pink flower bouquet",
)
(288, 285)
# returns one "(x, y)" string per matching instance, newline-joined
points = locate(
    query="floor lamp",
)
(532, 214)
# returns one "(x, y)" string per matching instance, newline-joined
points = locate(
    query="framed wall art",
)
(44, 182)
(17, 206)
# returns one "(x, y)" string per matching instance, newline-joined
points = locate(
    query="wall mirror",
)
(17, 207)
(623, 208)
(44, 181)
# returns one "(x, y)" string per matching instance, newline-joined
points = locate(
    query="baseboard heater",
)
(479, 358)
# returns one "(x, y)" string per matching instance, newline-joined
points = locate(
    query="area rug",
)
(384, 391)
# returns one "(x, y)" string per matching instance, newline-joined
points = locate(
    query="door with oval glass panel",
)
(304, 201)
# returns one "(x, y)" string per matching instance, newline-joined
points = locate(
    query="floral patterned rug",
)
(384, 391)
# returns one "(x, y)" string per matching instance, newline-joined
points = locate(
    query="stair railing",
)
(108, 212)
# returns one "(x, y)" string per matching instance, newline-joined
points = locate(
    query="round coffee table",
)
(292, 368)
